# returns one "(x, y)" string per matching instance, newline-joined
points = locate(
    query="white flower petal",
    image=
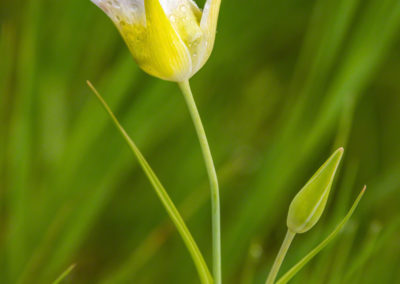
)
(170, 5)
(208, 25)
(129, 11)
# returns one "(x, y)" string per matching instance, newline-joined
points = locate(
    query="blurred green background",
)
(288, 82)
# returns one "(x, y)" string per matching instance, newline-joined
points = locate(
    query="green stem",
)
(64, 274)
(212, 175)
(280, 257)
(197, 257)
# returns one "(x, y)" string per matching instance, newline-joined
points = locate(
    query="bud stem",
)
(280, 257)
(212, 175)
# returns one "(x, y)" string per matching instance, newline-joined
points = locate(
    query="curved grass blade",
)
(64, 274)
(172, 211)
(144, 252)
(296, 268)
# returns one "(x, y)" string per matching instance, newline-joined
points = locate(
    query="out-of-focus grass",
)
(287, 82)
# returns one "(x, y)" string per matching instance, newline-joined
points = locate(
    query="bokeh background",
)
(288, 82)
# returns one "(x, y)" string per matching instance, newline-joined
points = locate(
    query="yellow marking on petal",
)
(186, 21)
(156, 46)
(168, 57)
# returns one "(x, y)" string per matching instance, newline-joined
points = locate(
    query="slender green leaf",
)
(64, 274)
(172, 211)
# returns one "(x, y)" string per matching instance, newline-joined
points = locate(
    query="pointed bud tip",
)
(339, 151)
(336, 156)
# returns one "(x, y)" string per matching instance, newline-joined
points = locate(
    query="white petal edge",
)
(130, 11)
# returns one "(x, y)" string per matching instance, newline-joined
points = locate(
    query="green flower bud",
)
(308, 205)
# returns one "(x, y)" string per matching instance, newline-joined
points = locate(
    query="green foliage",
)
(288, 82)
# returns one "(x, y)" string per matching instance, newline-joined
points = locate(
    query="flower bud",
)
(308, 205)
(169, 39)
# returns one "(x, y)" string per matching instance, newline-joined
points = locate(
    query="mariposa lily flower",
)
(169, 39)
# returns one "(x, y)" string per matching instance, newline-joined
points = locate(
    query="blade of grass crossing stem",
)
(296, 268)
(198, 259)
(152, 243)
(64, 274)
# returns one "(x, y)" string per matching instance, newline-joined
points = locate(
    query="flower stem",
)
(212, 175)
(172, 211)
(280, 257)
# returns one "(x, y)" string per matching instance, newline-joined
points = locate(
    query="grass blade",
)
(64, 274)
(172, 211)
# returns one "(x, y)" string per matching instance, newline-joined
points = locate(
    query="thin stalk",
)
(176, 218)
(280, 257)
(64, 274)
(212, 175)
